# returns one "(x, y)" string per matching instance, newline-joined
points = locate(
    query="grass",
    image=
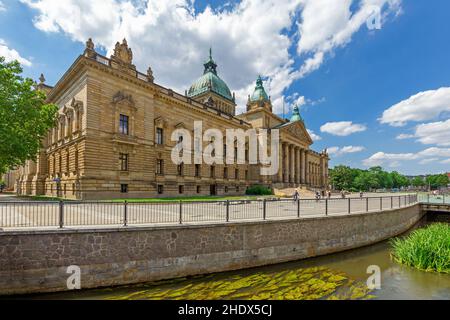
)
(426, 249)
(188, 199)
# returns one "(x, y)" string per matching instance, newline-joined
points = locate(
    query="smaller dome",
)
(296, 115)
(259, 94)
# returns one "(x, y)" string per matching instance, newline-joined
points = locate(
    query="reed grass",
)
(426, 249)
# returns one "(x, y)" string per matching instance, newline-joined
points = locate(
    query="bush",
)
(258, 191)
(426, 249)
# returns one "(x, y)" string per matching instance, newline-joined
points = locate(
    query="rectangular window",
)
(237, 189)
(159, 166)
(246, 174)
(123, 157)
(180, 169)
(160, 189)
(197, 170)
(225, 173)
(180, 189)
(123, 124)
(226, 189)
(124, 188)
(159, 136)
(213, 172)
(198, 189)
(236, 174)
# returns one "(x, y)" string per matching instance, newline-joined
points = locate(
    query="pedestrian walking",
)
(296, 195)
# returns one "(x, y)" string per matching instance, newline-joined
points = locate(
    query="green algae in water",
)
(299, 284)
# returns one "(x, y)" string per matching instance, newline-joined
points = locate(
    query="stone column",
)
(280, 163)
(286, 163)
(297, 165)
(307, 180)
(292, 167)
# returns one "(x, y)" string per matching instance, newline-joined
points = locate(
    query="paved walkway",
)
(47, 214)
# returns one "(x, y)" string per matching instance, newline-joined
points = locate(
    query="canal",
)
(337, 276)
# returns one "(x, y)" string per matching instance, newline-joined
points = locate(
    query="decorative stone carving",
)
(42, 79)
(77, 105)
(150, 76)
(160, 122)
(122, 53)
(123, 98)
(90, 49)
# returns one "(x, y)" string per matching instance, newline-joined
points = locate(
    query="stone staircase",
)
(289, 192)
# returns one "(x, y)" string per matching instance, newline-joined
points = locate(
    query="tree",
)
(341, 177)
(25, 118)
(418, 182)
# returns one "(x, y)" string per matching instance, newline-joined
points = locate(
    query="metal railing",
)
(434, 199)
(89, 213)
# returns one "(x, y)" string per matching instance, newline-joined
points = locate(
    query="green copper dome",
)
(296, 115)
(259, 93)
(210, 81)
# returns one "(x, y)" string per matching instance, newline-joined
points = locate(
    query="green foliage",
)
(437, 180)
(258, 190)
(418, 182)
(426, 249)
(346, 178)
(24, 117)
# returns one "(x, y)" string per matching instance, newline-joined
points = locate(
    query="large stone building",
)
(113, 136)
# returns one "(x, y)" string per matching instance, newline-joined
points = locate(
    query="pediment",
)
(160, 122)
(124, 99)
(298, 130)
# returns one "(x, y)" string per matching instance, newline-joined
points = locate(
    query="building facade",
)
(113, 136)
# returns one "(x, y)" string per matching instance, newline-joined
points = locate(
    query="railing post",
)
(326, 207)
(349, 209)
(367, 204)
(264, 209)
(125, 213)
(228, 210)
(443, 199)
(61, 214)
(428, 198)
(181, 212)
(298, 208)
(392, 202)
(381, 203)
(399, 202)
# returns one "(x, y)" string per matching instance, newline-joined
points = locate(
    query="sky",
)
(371, 77)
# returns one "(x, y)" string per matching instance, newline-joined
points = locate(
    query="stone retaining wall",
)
(37, 261)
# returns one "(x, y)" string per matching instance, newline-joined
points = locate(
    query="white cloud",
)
(437, 133)
(11, 54)
(314, 136)
(427, 161)
(422, 106)
(404, 136)
(381, 158)
(248, 38)
(343, 128)
(337, 151)
(2, 6)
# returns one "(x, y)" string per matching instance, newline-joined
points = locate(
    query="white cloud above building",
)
(342, 128)
(248, 38)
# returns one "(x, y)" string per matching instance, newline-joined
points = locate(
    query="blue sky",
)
(372, 97)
